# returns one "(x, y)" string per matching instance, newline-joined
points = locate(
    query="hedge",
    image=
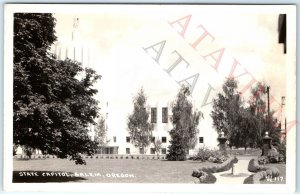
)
(261, 172)
(205, 173)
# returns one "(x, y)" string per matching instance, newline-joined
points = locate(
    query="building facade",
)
(115, 109)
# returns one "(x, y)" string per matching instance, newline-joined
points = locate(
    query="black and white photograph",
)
(175, 98)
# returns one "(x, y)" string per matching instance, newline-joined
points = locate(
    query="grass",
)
(137, 171)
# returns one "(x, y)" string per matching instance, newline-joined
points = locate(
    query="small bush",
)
(263, 160)
(273, 156)
(217, 168)
(206, 177)
(205, 154)
(261, 172)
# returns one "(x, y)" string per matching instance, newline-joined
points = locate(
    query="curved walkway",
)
(240, 167)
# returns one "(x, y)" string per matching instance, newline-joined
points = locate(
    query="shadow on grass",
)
(44, 176)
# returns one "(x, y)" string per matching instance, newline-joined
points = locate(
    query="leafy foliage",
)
(185, 122)
(227, 110)
(264, 121)
(139, 127)
(52, 108)
(206, 154)
(244, 126)
(206, 177)
(157, 145)
(282, 150)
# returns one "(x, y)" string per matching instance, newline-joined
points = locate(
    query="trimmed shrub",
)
(261, 172)
(263, 160)
(273, 156)
(249, 180)
(219, 167)
(205, 173)
(206, 177)
(254, 166)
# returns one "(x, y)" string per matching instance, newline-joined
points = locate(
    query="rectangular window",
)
(153, 115)
(165, 115)
(127, 139)
(164, 139)
(152, 139)
(163, 150)
(152, 150)
(201, 140)
(127, 150)
(115, 139)
(141, 150)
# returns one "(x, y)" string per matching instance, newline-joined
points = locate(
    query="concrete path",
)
(240, 167)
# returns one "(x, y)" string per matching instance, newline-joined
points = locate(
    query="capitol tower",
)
(76, 49)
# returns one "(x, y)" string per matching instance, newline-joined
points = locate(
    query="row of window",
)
(164, 115)
(163, 139)
(152, 151)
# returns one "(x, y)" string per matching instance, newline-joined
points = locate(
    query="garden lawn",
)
(137, 171)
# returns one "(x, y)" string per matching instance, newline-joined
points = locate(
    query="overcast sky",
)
(118, 37)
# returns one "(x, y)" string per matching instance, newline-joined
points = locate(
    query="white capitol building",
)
(115, 110)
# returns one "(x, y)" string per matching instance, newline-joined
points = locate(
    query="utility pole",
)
(268, 92)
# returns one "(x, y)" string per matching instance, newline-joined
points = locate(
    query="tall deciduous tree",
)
(185, 126)
(52, 108)
(227, 108)
(100, 132)
(244, 126)
(139, 127)
(264, 121)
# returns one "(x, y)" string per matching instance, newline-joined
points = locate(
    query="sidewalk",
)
(240, 167)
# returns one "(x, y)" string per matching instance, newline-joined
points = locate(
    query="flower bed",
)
(261, 172)
(205, 175)
(205, 154)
